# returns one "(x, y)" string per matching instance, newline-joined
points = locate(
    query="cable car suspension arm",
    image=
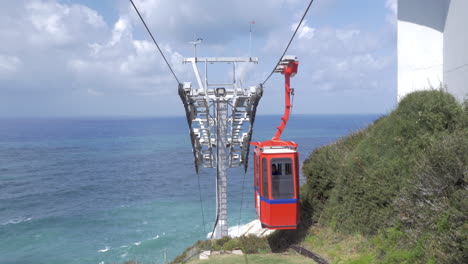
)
(288, 67)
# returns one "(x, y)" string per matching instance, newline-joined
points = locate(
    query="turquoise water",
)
(111, 190)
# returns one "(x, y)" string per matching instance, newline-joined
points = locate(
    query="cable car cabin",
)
(276, 183)
(276, 167)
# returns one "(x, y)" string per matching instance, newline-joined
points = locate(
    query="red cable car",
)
(276, 168)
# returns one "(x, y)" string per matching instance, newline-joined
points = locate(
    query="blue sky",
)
(93, 58)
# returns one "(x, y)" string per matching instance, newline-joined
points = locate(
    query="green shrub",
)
(435, 203)
(408, 171)
(232, 244)
(218, 244)
(252, 244)
(322, 168)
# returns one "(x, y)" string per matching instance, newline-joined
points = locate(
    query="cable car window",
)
(264, 178)
(282, 179)
(288, 168)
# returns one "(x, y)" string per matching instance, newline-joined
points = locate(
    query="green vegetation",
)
(338, 247)
(255, 259)
(400, 183)
(248, 244)
(394, 192)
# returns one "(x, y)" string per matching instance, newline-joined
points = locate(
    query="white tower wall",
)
(456, 49)
(420, 44)
(420, 58)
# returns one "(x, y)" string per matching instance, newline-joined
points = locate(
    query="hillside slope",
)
(405, 175)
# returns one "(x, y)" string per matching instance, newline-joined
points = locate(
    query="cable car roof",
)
(278, 150)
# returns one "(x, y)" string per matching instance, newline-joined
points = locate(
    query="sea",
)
(110, 190)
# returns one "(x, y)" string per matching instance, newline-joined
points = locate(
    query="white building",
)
(433, 46)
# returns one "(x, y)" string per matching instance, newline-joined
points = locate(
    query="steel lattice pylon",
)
(220, 119)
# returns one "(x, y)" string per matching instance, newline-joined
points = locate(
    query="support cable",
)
(154, 40)
(217, 204)
(287, 47)
(201, 203)
(242, 201)
(217, 216)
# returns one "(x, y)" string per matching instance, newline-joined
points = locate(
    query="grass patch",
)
(256, 259)
(338, 247)
(250, 244)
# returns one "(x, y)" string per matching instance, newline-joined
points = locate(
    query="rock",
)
(254, 228)
(205, 254)
(237, 252)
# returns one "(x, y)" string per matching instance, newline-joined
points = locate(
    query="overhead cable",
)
(287, 47)
(201, 203)
(154, 40)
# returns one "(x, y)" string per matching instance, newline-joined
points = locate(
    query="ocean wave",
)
(17, 221)
(139, 242)
(104, 250)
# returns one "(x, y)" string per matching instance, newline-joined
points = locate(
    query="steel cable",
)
(201, 203)
(290, 41)
(242, 201)
(154, 40)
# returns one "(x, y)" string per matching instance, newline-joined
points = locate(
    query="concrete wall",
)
(420, 44)
(433, 46)
(456, 49)
(420, 58)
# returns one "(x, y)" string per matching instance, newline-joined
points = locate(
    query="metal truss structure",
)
(220, 117)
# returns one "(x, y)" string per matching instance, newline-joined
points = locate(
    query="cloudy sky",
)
(93, 58)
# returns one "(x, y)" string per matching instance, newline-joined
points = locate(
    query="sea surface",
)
(108, 190)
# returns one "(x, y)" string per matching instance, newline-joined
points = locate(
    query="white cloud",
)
(54, 23)
(342, 59)
(9, 65)
(392, 6)
(304, 30)
(215, 21)
(345, 35)
(70, 48)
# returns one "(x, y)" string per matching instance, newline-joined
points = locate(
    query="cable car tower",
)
(220, 117)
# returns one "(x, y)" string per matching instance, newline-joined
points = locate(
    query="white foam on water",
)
(104, 250)
(137, 243)
(156, 237)
(17, 220)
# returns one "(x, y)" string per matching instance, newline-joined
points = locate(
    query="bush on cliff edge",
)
(408, 171)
